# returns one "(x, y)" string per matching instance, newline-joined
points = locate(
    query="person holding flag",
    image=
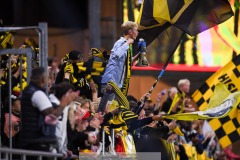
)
(119, 65)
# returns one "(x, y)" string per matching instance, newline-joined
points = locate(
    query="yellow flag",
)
(227, 129)
(229, 75)
(220, 105)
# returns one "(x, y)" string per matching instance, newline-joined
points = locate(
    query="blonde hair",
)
(84, 101)
(172, 90)
(181, 82)
(127, 26)
(71, 115)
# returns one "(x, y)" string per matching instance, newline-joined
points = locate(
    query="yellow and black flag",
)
(191, 16)
(229, 75)
(227, 129)
(221, 105)
(167, 20)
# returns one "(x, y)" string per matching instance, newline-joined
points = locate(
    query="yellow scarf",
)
(128, 64)
(175, 100)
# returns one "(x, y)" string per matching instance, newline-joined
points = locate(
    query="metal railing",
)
(41, 29)
(42, 32)
(28, 53)
(4, 154)
(7, 153)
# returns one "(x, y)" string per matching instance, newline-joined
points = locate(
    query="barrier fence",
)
(42, 32)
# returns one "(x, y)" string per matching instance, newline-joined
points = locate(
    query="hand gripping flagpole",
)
(159, 76)
(154, 84)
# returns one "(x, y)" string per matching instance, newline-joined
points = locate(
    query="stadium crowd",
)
(86, 99)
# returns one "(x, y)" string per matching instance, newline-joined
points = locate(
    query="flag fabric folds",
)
(229, 75)
(191, 16)
(221, 104)
(227, 129)
(185, 16)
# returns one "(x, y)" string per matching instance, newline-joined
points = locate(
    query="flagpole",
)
(159, 76)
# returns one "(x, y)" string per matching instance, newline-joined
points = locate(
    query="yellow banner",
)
(229, 75)
(227, 129)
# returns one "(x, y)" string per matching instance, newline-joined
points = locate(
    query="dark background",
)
(58, 13)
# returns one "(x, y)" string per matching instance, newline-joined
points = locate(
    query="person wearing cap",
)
(75, 72)
(73, 56)
(118, 69)
(38, 113)
(97, 60)
(15, 116)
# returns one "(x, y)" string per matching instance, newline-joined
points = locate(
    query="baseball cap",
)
(13, 99)
(75, 55)
(81, 114)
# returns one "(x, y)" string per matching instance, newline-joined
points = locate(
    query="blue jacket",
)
(115, 70)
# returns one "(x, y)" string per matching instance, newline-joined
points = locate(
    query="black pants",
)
(108, 95)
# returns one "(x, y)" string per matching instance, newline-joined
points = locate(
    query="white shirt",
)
(61, 131)
(54, 99)
(61, 127)
(40, 100)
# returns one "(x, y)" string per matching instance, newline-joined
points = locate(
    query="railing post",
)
(113, 138)
(10, 103)
(103, 142)
(24, 157)
(43, 47)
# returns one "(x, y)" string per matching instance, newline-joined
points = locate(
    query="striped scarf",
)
(126, 113)
(128, 64)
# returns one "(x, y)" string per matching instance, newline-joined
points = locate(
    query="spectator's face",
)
(92, 138)
(16, 106)
(54, 63)
(44, 80)
(78, 105)
(147, 104)
(49, 83)
(2, 71)
(172, 94)
(185, 88)
(95, 122)
(142, 114)
(86, 106)
(14, 58)
(84, 124)
(50, 79)
(133, 33)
